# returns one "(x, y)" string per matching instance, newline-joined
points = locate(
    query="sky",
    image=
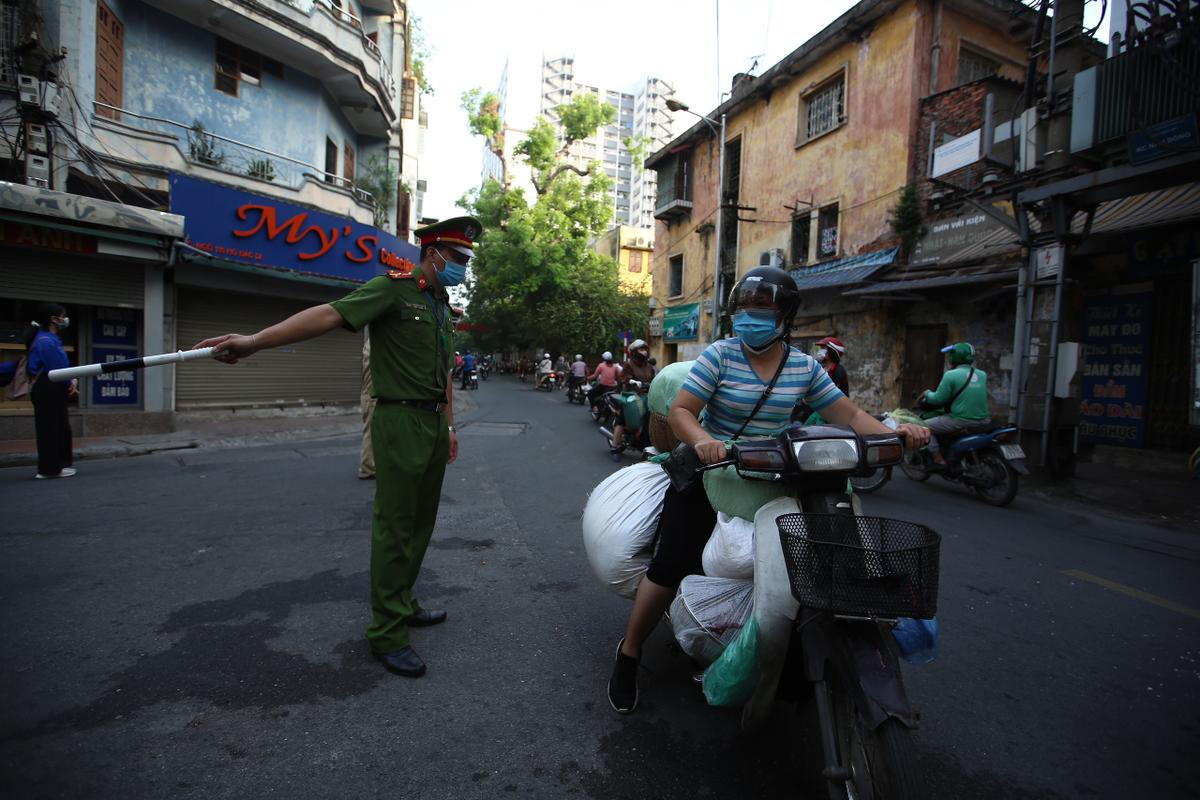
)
(614, 43)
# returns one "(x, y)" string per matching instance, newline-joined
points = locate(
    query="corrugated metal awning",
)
(954, 278)
(844, 271)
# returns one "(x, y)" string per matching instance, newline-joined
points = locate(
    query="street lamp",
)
(675, 105)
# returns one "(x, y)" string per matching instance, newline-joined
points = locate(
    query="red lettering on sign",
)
(390, 259)
(293, 227)
(364, 244)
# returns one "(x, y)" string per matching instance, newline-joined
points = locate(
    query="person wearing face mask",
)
(412, 431)
(829, 354)
(50, 419)
(742, 386)
(636, 368)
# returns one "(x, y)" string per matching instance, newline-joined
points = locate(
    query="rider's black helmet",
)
(769, 283)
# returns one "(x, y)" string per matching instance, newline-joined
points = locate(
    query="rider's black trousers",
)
(683, 529)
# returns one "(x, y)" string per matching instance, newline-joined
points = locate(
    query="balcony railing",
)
(347, 19)
(208, 149)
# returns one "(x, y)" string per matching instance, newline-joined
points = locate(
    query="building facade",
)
(643, 123)
(633, 250)
(261, 147)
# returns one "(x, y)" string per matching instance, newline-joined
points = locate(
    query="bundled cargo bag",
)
(666, 385)
(732, 678)
(619, 522)
(708, 613)
(729, 552)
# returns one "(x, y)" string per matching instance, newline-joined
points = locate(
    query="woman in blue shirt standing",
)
(46, 352)
(743, 386)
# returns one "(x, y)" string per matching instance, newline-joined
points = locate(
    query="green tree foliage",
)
(378, 179)
(483, 119)
(905, 219)
(536, 281)
(419, 53)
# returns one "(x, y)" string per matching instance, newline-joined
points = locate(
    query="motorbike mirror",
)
(883, 450)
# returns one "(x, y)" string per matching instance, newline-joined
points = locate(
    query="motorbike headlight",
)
(826, 455)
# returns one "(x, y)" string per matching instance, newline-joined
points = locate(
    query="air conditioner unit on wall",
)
(771, 258)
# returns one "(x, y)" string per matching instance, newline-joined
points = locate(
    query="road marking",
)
(1138, 594)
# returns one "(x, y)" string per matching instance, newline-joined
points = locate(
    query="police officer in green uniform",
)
(413, 427)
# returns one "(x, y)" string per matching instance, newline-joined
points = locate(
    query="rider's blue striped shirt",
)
(729, 387)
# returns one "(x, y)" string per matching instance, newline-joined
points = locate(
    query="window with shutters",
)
(408, 97)
(331, 153)
(110, 59)
(972, 66)
(801, 235)
(348, 163)
(675, 284)
(635, 260)
(236, 65)
(403, 209)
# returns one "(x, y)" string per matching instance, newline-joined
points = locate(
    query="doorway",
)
(922, 359)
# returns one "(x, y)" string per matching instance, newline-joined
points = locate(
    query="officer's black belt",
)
(436, 406)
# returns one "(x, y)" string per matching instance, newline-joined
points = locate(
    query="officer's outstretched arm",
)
(306, 324)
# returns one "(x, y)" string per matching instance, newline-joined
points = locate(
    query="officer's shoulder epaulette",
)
(401, 274)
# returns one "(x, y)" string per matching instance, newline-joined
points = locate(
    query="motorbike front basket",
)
(862, 566)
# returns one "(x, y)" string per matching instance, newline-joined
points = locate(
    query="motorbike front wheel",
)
(1001, 488)
(882, 762)
(869, 483)
(914, 467)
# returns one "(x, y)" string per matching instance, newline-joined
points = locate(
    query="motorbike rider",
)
(545, 367)
(578, 371)
(468, 368)
(962, 394)
(830, 352)
(458, 359)
(726, 380)
(606, 376)
(636, 368)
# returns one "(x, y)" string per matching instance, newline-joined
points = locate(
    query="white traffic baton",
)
(84, 370)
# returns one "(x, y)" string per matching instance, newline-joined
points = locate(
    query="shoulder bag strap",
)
(766, 392)
(961, 389)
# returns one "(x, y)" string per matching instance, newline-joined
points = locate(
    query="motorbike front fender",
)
(871, 660)
(1018, 464)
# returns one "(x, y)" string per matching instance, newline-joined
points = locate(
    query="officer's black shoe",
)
(424, 618)
(622, 686)
(404, 662)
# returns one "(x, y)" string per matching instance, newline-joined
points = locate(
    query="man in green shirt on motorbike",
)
(962, 395)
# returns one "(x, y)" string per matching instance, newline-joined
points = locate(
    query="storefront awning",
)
(928, 279)
(1148, 210)
(844, 271)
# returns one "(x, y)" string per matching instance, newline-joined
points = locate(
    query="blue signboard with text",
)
(232, 225)
(1116, 348)
(114, 388)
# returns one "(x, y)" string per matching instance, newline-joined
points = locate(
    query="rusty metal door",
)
(922, 360)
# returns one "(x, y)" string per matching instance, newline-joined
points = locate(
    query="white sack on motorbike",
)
(708, 613)
(619, 521)
(729, 552)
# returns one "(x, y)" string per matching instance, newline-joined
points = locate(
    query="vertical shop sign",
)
(1116, 362)
(115, 337)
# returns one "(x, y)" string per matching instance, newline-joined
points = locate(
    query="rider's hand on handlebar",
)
(915, 437)
(710, 451)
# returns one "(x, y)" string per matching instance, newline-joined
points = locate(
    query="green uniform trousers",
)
(411, 447)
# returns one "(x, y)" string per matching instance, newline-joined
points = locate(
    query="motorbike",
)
(484, 369)
(601, 411)
(829, 586)
(471, 380)
(633, 406)
(549, 384)
(577, 393)
(990, 462)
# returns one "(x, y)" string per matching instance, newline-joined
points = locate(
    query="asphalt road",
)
(191, 626)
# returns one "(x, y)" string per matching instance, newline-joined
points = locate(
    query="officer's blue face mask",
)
(756, 329)
(452, 273)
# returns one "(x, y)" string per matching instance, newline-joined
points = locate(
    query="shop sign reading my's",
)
(238, 226)
(1116, 347)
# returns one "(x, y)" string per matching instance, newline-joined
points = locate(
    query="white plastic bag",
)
(730, 550)
(708, 613)
(619, 521)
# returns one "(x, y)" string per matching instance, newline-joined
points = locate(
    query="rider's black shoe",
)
(622, 686)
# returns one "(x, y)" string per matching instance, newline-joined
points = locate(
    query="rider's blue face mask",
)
(452, 273)
(756, 329)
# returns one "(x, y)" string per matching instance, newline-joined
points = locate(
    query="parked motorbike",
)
(989, 462)
(632, 405)
(828, 588)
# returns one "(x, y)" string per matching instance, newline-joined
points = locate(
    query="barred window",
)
(972, 66)
(824, 109)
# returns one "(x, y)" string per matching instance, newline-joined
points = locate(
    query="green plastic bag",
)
(633, 408)
(733, 495)
(666, 385)
(904, 416)
(730, 680)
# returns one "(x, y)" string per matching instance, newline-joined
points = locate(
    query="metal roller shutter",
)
(325, 370)
(61, 280)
